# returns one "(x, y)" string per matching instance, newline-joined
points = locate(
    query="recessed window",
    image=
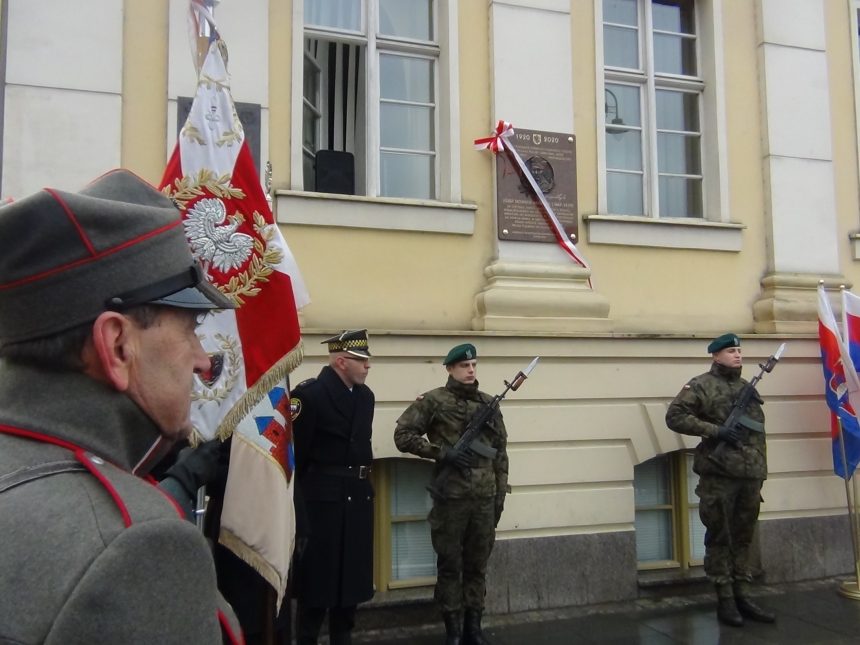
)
(669, 533)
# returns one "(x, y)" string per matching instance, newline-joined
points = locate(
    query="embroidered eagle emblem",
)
(214, 241)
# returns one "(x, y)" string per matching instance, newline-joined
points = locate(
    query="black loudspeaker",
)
(334, 172)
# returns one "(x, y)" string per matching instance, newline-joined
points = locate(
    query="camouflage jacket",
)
(699, 409)
(442, 415)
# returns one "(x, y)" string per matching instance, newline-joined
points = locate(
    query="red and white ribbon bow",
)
(496, 143)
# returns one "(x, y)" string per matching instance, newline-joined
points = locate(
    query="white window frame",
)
(445, 214)
(853, 9)
(714, 231)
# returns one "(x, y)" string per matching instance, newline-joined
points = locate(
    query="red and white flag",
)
(233, 235)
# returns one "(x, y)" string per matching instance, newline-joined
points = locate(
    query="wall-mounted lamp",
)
(610, 109)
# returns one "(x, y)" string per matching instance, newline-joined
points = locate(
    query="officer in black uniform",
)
(332, 424)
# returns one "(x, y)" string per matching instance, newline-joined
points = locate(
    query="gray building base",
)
(805, 548)
(545, 573)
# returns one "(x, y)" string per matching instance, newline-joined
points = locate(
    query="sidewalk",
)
(808, 613)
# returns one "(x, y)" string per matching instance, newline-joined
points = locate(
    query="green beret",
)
(464, 352)
(721, 342)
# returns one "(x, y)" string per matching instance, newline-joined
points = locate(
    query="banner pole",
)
(850, 588)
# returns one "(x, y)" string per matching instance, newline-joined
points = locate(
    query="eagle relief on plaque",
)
(551, 158)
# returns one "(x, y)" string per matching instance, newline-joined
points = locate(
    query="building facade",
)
(706, 160)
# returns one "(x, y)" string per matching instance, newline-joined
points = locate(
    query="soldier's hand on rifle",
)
(457, 458)
(729, 435)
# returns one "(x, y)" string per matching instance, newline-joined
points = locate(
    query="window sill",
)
(675, 233)
(354, 211)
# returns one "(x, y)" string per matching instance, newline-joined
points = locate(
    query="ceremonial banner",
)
(233, 235)
(835, 364)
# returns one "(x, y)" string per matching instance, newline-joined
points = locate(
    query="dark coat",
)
(334, 513)
(92, 553)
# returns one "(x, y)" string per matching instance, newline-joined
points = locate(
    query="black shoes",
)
(727, 612)
(748, 609)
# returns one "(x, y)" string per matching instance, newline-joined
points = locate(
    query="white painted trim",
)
(670, 233)
(296, 105)
(448, 154)
(600, 104)
(353, 211)
(853, 8)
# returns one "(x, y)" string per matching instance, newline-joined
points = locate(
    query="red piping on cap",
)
(98, 256)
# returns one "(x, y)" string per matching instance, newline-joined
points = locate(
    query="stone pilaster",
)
(797, 164)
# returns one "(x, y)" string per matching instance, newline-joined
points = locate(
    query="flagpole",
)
(850, 588)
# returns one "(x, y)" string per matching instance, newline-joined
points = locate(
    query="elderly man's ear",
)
(109, 353)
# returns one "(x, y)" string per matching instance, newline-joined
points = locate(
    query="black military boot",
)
(453, 627)
(749, 609)
(727, 610)
(472, 634)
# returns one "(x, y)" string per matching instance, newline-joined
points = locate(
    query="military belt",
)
(359, 472)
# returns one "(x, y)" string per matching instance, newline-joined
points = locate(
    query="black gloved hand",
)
(499, 507)
(458, 458)
(200, 466)
(729, 435)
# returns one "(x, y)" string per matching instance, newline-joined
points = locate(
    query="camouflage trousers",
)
(729, 510)
(463, 532)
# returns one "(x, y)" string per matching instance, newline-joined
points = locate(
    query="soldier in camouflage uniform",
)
(729, 487)
(462, 524)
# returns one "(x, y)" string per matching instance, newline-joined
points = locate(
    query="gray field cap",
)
(67, 257)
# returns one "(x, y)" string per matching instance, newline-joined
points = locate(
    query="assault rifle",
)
(737, 418)
(468, 441)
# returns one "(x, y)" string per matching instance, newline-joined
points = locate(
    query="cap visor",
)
(361, 353)
(202, 296)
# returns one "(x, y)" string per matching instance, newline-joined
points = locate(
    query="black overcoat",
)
(334, 513)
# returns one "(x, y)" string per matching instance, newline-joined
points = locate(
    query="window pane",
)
(680, 197)
(406, 79)
(651, 482)
(405, 175)
(620, 11)
(624, 193)
(677, 111)
(337, 14)
(678, 154)
(622, 101)
(309, 129)
(406, 18)
(411, 550)
(674, 55)
(409, 494)
(412, 553)
(407, 127)
(697, 535)
(620, 47)
(674, 15)
(653, 535)
(624, 150)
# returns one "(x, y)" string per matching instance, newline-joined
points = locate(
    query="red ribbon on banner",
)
(500, 141)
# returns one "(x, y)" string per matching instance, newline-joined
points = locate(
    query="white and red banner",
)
(500, 141)
(233, 235)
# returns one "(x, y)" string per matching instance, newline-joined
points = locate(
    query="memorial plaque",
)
(551, 157)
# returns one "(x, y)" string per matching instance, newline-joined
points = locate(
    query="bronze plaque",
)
(551, 157)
